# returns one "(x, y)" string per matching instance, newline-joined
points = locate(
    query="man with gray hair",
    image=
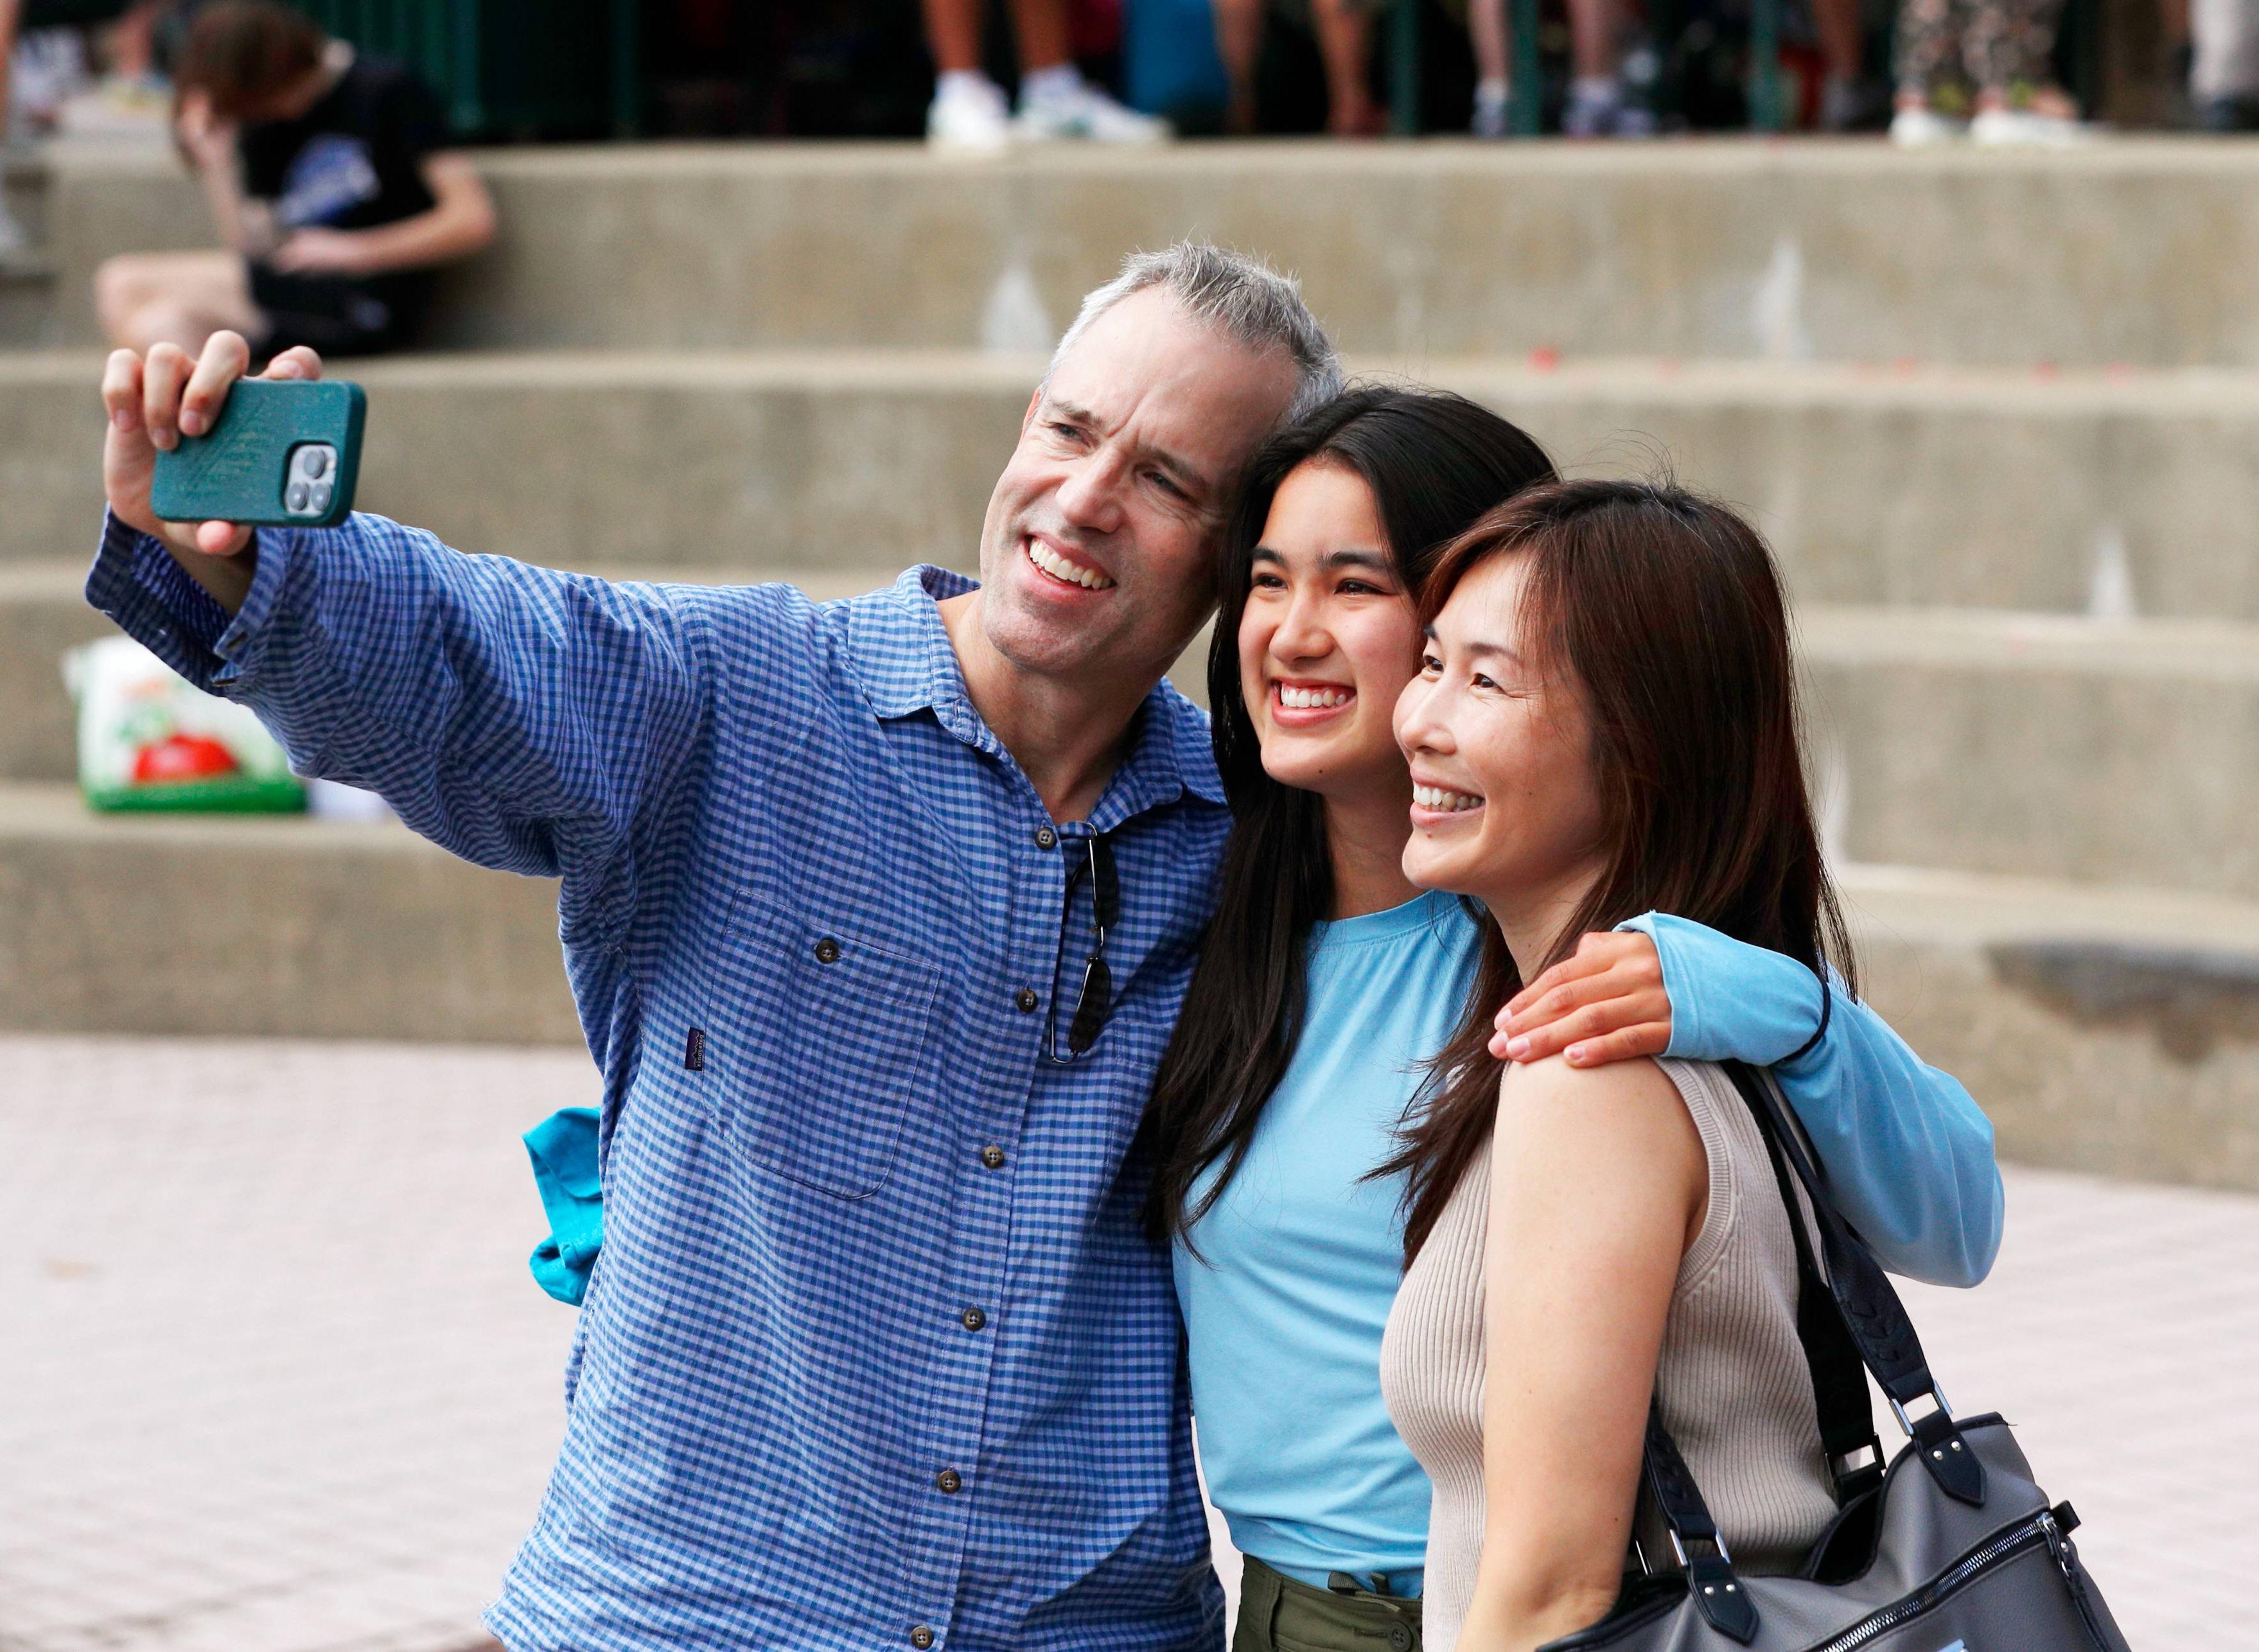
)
(877, 914)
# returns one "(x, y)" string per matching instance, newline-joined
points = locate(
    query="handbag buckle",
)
(1716, 1540)
(1937, 1397)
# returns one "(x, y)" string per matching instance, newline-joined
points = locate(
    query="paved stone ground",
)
(273, 1377)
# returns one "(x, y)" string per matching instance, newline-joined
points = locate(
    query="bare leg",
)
(1486, 28)
(11, 19)
(1592, 39)
(1239, 43)
(1042, 26)
(1346, 41)
(953, 32)
(131, 44)
(1840, 45)
(181, 298)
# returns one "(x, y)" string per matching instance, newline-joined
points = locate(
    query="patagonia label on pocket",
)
(694, 1050)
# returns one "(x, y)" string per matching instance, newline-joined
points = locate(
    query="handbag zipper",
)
(1947, 1583)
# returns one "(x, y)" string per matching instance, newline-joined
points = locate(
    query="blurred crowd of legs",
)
(1005, 72)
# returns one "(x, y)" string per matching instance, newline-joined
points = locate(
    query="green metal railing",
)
(509, 67)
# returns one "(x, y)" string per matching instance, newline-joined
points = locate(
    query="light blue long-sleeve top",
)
(1301, 1255)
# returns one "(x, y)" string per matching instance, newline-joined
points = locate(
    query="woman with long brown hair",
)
(1327, 979)
(1604, 724)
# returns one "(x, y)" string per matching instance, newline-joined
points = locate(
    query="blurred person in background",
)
(2224, 77)
(1847, 101)
(331, 185)
(2003, 50)
(1344, 35)
(1599, 104)
(127, 47)
(970, 114)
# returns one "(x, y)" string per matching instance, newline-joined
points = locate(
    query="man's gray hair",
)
(1241, 297)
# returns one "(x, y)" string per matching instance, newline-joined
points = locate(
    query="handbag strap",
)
(1869, 1308)
(1839, 1376)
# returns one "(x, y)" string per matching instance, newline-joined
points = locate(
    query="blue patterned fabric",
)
(783, 825)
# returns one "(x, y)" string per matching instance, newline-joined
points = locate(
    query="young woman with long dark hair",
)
(1327, 980)
(1604, 724)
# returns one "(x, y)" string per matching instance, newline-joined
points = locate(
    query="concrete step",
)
(43, 613)
(133, 924)
(2110, 1031)
(2103, 1029)
(2119, 491)
(2110, 752)
(29, 314)
(2138, 249)
(2118, 754)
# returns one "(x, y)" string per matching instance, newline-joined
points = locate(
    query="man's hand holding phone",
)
(152, 403)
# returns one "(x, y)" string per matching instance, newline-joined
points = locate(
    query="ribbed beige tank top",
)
(1733, 1385)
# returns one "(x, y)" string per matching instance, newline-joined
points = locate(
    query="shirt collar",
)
(899, 652)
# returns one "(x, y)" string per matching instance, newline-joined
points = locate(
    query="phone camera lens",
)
(316, 463)
(295, 499)
(318, 499)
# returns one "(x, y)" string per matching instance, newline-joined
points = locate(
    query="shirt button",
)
(1046, 837)
(974, 1319)
(921, 1637)
(827, 951)
(992, 1158)
(1026, 1000)
(948, 1480)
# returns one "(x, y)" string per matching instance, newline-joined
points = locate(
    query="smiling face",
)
(1098, 557)
(1504, 804)
(1328, 639)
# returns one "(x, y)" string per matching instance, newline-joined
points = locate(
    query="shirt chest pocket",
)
(842, 1057)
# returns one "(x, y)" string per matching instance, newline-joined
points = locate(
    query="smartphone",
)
(285, 453)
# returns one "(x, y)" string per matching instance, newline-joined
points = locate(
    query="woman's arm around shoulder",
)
(1599, 1183)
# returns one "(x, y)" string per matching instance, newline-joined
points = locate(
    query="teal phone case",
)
(244, 468)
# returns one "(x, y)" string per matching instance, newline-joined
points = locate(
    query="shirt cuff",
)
(138, 583)
(1687, 1030)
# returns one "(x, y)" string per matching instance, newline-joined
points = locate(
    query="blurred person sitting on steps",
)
(969, 114)
(330, 180)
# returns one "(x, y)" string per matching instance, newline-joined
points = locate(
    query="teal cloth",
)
(563, 1148)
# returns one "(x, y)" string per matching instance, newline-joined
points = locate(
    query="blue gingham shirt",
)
(785, 826)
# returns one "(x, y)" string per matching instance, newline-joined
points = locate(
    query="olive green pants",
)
(1277, 1614)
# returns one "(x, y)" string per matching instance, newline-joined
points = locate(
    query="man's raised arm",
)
(520, 717)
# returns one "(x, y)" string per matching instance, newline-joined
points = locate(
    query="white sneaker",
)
(1085, 112)
(2020, 128)
(968, 117)
(1920, 128)
(1492, 99)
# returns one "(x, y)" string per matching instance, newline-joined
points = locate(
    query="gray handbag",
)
(1953, 1547)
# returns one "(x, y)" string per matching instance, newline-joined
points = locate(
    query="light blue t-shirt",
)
(1300, 1257)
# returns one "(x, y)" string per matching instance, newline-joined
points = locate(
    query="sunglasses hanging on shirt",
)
(1095, 1001)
